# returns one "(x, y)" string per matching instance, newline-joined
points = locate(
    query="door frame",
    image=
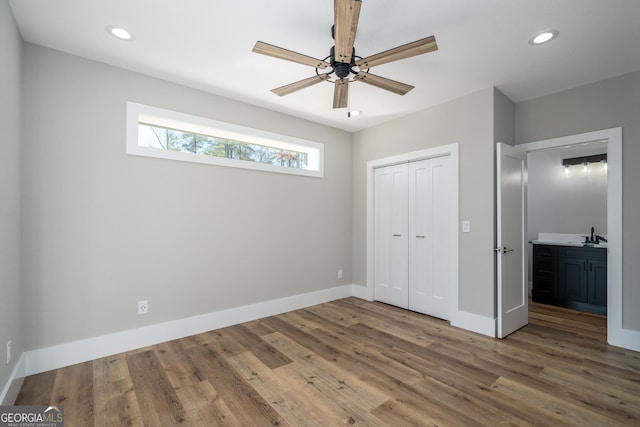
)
(616, 334)
(429, 153)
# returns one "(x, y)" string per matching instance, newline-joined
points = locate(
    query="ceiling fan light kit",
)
(342, 65)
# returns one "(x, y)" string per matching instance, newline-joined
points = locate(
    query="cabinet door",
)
(544, 272)
(430, 237)
(544, 276)
(598, 282)
(390, 240)
(572, 279)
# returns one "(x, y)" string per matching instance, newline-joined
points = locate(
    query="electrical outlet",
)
(340, 274)
(143, 307)
(8, 352)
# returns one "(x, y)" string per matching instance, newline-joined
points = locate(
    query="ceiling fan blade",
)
(289, 55)
(347, 13)
(383, 83)
(292, 87)
(408, 50)
(341, 94)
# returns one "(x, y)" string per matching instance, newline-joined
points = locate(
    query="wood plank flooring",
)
(353, 362)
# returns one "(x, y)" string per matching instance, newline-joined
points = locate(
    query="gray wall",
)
(10, 106)
(504, 112)
(560, 202)
(578, 199)
(104, 230)
(469, 122)
(605, 104)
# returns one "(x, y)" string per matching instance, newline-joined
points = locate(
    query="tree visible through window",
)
(163, 138)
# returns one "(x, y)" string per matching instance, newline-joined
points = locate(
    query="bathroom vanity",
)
(570, 273)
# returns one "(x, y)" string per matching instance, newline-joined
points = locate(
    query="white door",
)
(511, 248)
(430, 254)
(391, 228)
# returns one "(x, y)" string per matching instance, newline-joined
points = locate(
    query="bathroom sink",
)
(558, 239)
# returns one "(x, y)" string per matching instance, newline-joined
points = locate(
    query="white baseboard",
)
(625, 338)
(475, 323)
(12, 388)
(54, 357)
(361, 292)
(67, 354)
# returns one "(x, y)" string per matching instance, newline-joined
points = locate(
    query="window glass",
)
(156, 132)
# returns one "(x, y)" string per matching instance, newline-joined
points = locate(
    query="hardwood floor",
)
(356, 362)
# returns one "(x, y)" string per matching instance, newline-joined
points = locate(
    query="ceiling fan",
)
(342, 66)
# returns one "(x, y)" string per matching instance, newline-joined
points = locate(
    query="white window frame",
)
(146, 114)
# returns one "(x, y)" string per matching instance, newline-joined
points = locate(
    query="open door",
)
(512, 292)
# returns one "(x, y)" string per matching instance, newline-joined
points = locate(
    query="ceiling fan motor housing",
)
(342, 69)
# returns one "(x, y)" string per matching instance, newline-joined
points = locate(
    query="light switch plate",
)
(466, 226)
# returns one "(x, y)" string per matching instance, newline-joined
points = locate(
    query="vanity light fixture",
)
(543, 37)
(584, 160)
(119, 33)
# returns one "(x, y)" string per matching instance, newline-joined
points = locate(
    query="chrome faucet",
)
(592, 238)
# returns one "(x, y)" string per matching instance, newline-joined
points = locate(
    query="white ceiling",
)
(206, 44)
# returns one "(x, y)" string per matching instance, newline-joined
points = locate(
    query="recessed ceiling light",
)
(543, 37)
(119, 32)
(354, 113)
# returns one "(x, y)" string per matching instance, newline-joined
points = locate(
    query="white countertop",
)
(560, 239)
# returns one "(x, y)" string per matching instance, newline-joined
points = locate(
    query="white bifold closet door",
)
(413, 251)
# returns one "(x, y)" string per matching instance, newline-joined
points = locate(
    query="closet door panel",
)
(382, 235)
(420, 247)
(429, 237)
(391, 228)
(441, 254)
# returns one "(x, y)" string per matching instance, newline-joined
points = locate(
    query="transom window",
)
(156, 132)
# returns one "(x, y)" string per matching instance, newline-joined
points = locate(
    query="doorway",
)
(567, 199)
(616, 334)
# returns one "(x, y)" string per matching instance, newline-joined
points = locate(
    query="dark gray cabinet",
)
(570, 276)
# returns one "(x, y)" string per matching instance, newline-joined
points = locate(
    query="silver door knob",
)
(503, 250)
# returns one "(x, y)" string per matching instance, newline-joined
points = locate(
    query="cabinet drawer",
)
(544, 285)
(544, 250)
(583, 252)
(544, 266)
